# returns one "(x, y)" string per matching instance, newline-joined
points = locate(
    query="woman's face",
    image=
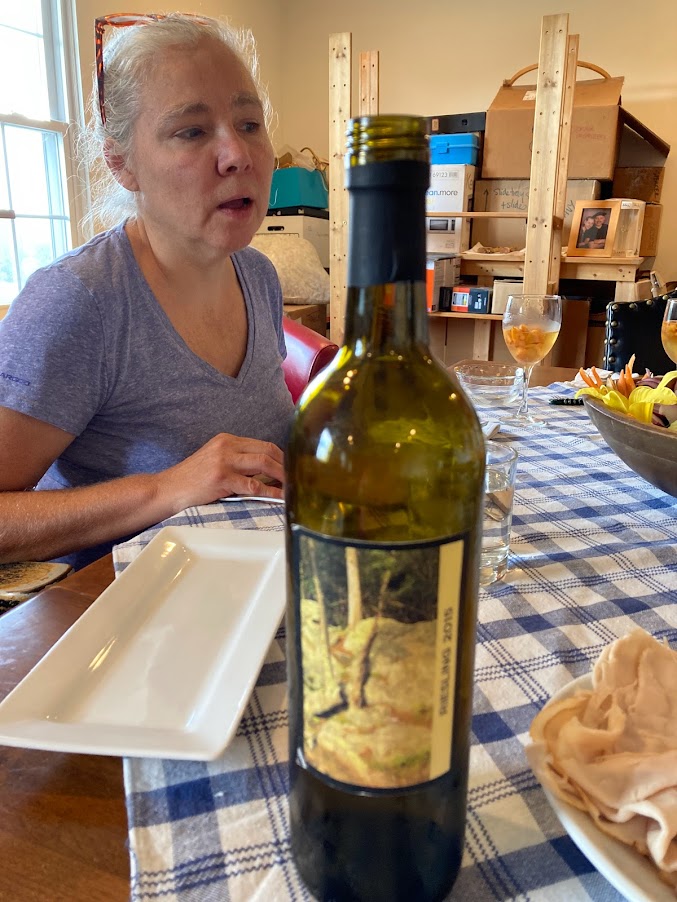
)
(201, 160)
(588, 222)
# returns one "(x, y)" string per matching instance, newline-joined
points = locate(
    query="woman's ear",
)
(119, 166)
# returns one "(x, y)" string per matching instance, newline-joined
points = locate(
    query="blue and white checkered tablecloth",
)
(593, 553)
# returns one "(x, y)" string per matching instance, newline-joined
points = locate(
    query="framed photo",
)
(593, 228)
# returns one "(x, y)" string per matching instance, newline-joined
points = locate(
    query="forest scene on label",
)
(368, 642)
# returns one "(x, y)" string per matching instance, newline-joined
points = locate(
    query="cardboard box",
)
(446, 297)
(440, 272)
(603, 134)
(641, 182)
(447, 235)
(496, 195)
(480, 300)
(461, 298)
(648, 246)
(502, 289)
(451, 189)
(312, 228)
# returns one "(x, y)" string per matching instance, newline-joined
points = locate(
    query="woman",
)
(588, 231)
(141, 374)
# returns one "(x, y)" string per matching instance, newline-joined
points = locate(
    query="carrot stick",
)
(622, 384)
(586, 378)
(596, 376)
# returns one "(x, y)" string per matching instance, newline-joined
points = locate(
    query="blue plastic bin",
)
(297, 187)
(454, 149)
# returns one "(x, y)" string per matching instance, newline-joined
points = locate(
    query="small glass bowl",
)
(489, 384)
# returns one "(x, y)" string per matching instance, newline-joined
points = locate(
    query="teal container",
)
(298, 187)
(454, 149)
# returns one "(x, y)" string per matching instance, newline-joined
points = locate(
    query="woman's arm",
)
(47, 524)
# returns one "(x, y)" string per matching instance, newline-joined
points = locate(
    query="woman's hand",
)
(225, 465)
(37, 526)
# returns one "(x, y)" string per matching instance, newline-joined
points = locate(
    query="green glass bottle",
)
(385, 467)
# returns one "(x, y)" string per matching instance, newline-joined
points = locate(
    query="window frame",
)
(60, 45)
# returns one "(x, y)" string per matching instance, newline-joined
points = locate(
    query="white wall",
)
(441, 56)
(263, 17)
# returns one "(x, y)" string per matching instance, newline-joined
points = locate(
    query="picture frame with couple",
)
(593, 228)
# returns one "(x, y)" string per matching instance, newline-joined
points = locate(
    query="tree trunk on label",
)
(354, 588)
(332, 691)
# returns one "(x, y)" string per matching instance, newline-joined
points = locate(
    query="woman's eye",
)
(188, 133)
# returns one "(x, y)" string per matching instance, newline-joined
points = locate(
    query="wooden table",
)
(63, 824)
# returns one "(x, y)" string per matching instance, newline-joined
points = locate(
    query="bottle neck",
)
(386, 304)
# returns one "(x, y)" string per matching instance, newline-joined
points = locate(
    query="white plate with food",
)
(164, 661)
(632, 874)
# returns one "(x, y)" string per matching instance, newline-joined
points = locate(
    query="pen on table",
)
(567, 402)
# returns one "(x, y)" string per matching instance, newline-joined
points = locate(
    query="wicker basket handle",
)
(509, 82)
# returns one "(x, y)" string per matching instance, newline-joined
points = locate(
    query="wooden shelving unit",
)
(543, 265)
(483, 214)
(480, 317)
(620, 270)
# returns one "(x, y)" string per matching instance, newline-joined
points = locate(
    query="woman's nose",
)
(234, 154)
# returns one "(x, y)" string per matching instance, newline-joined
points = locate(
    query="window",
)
(39, 96)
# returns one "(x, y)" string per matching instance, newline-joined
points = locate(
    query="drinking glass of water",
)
(499, 489)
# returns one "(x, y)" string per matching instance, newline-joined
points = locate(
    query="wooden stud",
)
(545, 152)
(482, 344)
(562, 172)
(340, 84)
(625, 291)
(369, 77)
(563, 162)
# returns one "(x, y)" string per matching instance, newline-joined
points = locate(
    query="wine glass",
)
(531, 324)
(669, 329)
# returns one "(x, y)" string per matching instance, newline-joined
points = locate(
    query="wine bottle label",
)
(377, 641)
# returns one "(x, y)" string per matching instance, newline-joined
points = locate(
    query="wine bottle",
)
(385, 467)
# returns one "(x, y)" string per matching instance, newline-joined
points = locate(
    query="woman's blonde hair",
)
(129, 55)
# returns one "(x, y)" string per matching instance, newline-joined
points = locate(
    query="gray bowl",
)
(650, 451)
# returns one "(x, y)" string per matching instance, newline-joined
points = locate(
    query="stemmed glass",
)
(669, 329)
(531, 324)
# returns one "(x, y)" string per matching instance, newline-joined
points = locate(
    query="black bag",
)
(635, 328)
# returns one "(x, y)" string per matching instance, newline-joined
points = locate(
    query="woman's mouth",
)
(237, 203)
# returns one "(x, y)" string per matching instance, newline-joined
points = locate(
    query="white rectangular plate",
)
(163, 663)
(252, 498)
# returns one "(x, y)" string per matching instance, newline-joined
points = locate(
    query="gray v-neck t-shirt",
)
(87, 347)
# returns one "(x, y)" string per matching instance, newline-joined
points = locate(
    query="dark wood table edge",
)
(63, 821)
